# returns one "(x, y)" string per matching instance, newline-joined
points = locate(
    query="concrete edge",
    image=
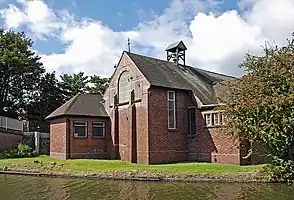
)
(196, 178)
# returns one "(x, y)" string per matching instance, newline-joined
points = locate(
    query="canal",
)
(37, 188)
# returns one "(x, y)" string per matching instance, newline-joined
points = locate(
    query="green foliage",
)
(20, 71)
(21, 151)
(280, 170)
(49, 96)
(261, 104)
(27, 91)
(73, 84)
(98, 85)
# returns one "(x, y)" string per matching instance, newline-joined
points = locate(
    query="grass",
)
(82, 166)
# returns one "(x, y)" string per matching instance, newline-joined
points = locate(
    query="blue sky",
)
(90, 35)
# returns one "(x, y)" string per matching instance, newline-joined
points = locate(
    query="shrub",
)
(21, 151)
(281, 170)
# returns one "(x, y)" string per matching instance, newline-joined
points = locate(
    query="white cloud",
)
(220, 42)
(171, 26)
(219, 39)
(216, 41)
(93, 48)
(13, 16)
(274, 17)
(36, 14)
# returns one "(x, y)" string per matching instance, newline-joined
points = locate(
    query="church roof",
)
(89, 105)
(167, 74)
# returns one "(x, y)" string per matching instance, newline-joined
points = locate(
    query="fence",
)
(38, 141)
(11, 124)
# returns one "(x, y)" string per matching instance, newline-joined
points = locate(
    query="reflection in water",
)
(36, 188)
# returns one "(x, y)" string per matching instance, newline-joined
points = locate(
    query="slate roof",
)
(175, 45)
(167, 74)
(81, 105)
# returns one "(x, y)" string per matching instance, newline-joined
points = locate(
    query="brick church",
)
(154, 111)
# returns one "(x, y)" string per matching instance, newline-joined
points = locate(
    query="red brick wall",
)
(212, 145)
(88, 147)
(167, 145)
(9, 139)
(124, 133)
(208, 145)
(58, 138)
(142, 133)
(124, 141)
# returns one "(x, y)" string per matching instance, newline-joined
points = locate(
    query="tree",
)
(97, 85)
(49, 97)
(261, 103)
(20, 71)
(73, 84)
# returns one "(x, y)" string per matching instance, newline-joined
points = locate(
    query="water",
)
(36, 188)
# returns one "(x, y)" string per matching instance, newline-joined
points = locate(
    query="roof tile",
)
(167, 74)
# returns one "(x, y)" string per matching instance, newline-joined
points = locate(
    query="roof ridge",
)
(72, 102)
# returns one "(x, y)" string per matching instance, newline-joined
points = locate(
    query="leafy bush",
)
(281, 170)
(21, 151)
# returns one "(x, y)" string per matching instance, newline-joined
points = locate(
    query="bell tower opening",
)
(176, 53)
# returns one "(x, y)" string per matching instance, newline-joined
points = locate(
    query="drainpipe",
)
(68, 134)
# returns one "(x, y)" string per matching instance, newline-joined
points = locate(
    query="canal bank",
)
(119, 170)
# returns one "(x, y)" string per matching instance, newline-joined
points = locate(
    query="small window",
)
(192, 121)
(98, 129)
(137, 91)
(208, 119)
(216, 119)
(171, 110)
(80, 129)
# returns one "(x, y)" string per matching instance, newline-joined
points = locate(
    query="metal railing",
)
(10, 123)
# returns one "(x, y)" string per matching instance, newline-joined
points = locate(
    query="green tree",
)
(48, 97)
(20, 71)
(261, 103)
(97, 85)
(73, 84)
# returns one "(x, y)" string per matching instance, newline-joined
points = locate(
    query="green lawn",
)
(81, 166)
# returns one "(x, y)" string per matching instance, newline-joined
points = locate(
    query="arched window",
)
(124, 87)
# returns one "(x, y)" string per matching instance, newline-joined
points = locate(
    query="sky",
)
(90, 35)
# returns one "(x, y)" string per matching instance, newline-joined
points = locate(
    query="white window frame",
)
(174, 109)
(212, 118)
(102, 125)
(218, 117)
(206, 119)
(224, 118)
(86, 128)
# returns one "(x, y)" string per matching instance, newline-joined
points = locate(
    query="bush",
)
(281, 170)
(21, 151)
